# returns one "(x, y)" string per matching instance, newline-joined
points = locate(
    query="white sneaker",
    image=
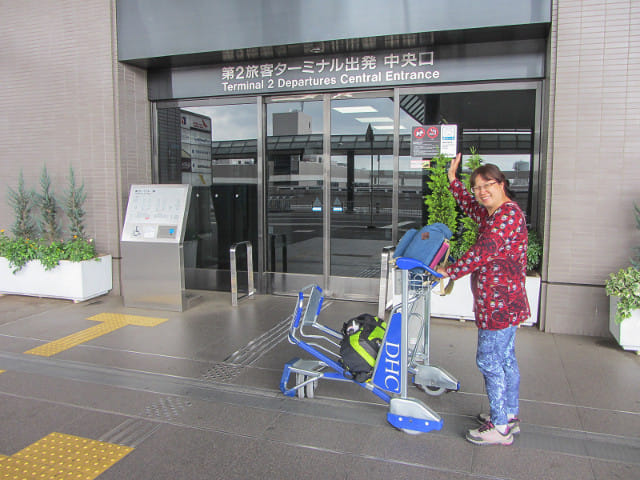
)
(488, 434)
(513, 424)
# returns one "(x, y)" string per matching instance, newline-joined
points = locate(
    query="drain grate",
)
(168, 408)
(222, 373)
(260, 345)
(131, 432)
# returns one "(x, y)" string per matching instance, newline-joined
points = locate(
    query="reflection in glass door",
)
(361, 186)
(499, 125)
(326, 223)
(294, 174)
(213, 148)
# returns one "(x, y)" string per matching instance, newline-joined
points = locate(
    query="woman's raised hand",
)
(453, 168)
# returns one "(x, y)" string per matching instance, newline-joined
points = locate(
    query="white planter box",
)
(532, 285)
(626, 333)
(77, 281)
(459, 303)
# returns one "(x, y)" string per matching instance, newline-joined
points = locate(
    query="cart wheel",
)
(410, 432)
(310, 388)
(433, 391)
(299, 380)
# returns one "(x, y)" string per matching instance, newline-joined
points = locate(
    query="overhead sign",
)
(409, 66)
(428, 141)
(329, 72)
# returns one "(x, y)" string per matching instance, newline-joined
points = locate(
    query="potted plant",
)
(37, 261)
(623, 289)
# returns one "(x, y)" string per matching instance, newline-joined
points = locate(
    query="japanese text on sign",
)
(427, 141)
(330, 71)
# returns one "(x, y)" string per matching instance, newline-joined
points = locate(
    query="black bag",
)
(361, 340)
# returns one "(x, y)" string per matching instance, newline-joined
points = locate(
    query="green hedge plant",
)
(45, 242)
(21, 201)
(442, 206)
(625, 283)
(534, 252)
(46, 202)
(635, 260)
(468, 233)
(74, 209)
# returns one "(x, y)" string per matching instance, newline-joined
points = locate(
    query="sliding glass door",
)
(321, 183)
(214, 149)
(361, 183)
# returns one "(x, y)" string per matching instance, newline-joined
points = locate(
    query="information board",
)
(156, 213)
(428, 141)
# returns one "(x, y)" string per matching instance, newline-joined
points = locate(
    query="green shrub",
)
(19, 251)
(48, 248)
(468, 233)
(79, 249)
(635, 261)
(625, 284)
(74, 207)
(534, 252)
(48, 206)
(21, 201)
(443, 208)
(50, 254)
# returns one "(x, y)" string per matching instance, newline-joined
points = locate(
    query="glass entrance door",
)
(362, 129)
(321, 183)
(294, 173)
(327, 224)
(213, 148)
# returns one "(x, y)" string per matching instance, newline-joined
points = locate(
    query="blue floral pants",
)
(496, 359)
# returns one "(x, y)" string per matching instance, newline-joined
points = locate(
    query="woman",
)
(497, 264)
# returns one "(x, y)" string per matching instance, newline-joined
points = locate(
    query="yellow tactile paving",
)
(61, 456)
(108, 323)
(138, 320)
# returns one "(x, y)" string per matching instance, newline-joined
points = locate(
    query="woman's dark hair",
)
(489, 171)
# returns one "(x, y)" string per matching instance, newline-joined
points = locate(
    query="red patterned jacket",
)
(497, 262)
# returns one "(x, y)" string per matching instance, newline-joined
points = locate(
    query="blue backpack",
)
(430, 250)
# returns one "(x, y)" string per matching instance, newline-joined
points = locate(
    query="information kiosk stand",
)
(152, 247)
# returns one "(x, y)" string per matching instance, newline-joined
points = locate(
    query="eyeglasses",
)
(479, 188)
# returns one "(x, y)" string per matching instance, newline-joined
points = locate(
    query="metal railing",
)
(385, 263)
(234, 272)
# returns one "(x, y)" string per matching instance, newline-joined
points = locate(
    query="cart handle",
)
(407, 263)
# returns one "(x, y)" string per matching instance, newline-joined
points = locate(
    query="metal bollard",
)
(385, 261)
(234, 272)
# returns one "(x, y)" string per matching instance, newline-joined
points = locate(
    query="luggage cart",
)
(417, 285)
(390, 376)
